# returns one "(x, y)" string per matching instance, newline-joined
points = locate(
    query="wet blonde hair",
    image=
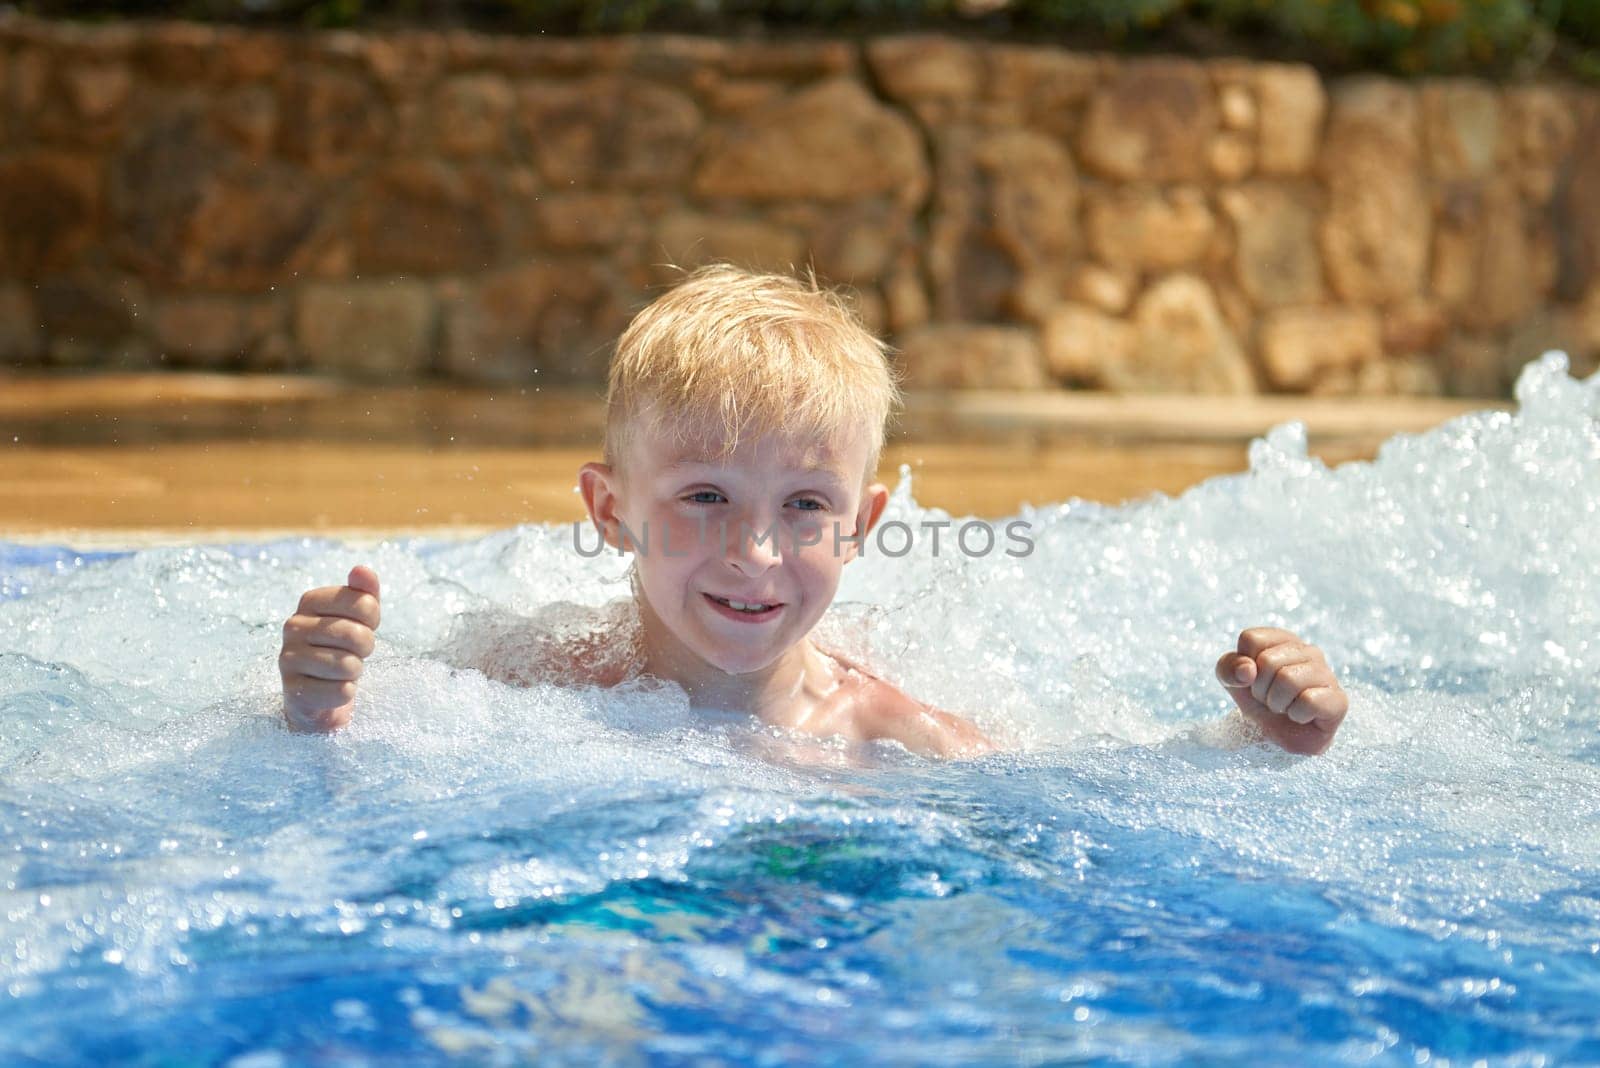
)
(742, 353)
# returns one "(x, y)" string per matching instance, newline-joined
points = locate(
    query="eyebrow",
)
(828, 472)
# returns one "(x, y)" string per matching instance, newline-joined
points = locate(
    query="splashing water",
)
(495, 874)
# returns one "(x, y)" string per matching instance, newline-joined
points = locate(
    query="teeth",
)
(744, 606)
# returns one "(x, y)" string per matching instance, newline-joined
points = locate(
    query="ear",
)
(874, 499)
(599, 485)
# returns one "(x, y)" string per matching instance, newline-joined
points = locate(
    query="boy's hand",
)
(325, 645)
(1286, 688)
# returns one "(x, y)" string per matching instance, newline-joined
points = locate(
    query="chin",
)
(741, 665)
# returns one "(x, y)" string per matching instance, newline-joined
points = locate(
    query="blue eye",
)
(693, 498)
(816, 505)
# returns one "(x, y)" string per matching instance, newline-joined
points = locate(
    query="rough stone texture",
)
(571, 221)
(21, 339)
(856, 244)
(963, 356)
(1414, 326)
(1237, 105)
(495, 207)
(424, 218)
(247, 118)
(905, 299)
(1298, 345)
(1152, 122)
(1461, 125)
(1109, 289)
(1376, 232)
(1540, 128)
(332, 121)
(539, 322)
(689, 240)
(1586, 324)
(831, 141)
(210, 328)
(1045, 89)
(609, 131)
(937, 77)
(1232, 156)
(472, 115)
(1275, 246)
(1004, 215)
(1085, 346)
(1292, 103)
(1577, 209)
(80, 318)
(98, 90)
(1141, 227)
(366, 328)
(189, 211)
(49, 203)
(1475, 365)
(212, 331)
(1184, 346)
(1484, 265)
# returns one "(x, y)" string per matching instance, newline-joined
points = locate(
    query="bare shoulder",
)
(882, 710)
(561, 644)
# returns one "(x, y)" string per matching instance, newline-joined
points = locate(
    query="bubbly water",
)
(493, 874)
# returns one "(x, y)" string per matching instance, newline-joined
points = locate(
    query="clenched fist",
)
(1286, 688)
(325, 647)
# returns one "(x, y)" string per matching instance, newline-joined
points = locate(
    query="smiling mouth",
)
(750, 608)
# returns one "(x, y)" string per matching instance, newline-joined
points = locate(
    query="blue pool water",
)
(480, 873)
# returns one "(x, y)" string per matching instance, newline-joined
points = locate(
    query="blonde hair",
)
(745, 353)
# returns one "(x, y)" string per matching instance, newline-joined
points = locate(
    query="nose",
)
(752, 546)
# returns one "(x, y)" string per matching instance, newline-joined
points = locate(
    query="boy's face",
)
(757, 527)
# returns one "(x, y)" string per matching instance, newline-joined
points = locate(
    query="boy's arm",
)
(1285, 690)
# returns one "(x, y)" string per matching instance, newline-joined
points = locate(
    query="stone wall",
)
(494, 208)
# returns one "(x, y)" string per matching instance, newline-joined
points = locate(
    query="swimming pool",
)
(486, 874)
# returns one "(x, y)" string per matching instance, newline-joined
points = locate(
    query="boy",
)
(745, 414)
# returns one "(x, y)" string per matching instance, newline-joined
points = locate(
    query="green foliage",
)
(1406, 36)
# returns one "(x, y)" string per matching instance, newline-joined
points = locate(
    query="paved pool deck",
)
(139, 459)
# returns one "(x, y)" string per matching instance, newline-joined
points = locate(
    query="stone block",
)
(1085, 346)
(471, 115)
(571, 221)
(1184, 344)
(1300, 345)
(546, 322)
(1291, 104)
(21, 340)
(1377, 229)
(831, 141)
(926, 67)
(687, 240)
(1047, 87)
(426, 217)
(609, 131)
(1005, 212)
(333, 122)
(1108, 289)
(49, 210)
(368, 329)
(1461, 128)
(1151, 122)
(1276, 260)
(1485, 257)
(971, 356)
(1147, 228)
(1576, 214)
